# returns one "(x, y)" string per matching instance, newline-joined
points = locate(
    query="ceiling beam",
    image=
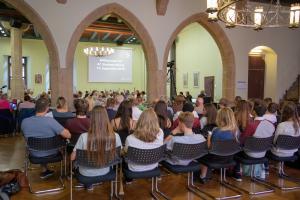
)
(161, 7)
(93, 36)
(129, 38)
(106, 36)
(36, 33)
(108, 31)
(118, 37)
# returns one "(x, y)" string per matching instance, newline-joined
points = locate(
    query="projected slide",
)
(115, 68)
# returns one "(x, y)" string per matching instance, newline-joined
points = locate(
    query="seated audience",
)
(199, 106)
(208, 121)
(186, 121)
(4, 103)
(187, 107)
(147, 135)
(123, 124)
(165, 123)
(61, 109)
(110, 104)
(40, 126)
(223, 103)
(81, 123)
(271, 114)
(290, 125)
(227, 130)
(100, 138)
(243, 119)
(27, 103)
(136, 112)
(119, 99)
(268, 100)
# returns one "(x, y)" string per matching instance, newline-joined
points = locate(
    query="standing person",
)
(40, 126)
(188, 96)
(165, 123)
(227, 130)
(123, 124)
(100, 138)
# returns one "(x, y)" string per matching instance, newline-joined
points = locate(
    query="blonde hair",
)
(226, 120)
(147, 126)
(187, 118)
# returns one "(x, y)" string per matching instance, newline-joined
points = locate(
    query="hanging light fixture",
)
(98, 51)
(254, 14)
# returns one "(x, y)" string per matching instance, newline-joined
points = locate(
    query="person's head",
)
(272, 108)
(160, 109)
(226, 120)
(42, 106)
(260, 110)
(124, 112)
(27, 98)
(223, 103)
(268, 100)
(79, 94)
(110, 103)
(181, 93)
(81, 106)
(290, 113)
(101, 136)
(61, 103)
(4, 96)
(187, 93)
(200, 101)
(186, 121)
(119, 99)
(147, 126)
(210, 113)
(242, 114)
(238, 99)
(188, 107)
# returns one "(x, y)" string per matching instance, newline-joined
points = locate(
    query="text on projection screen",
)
(115, 68)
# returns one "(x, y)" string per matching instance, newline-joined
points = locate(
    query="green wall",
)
(196, 51)
(138, 70)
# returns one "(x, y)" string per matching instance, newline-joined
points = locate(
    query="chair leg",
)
(256, 181)
(225, 183)
(193, 188)
(153, 194)
(114, 184)
(158, 191)
(71, 181)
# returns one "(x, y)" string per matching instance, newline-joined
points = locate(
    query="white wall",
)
(63, 19)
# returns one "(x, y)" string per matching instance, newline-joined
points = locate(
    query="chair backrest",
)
(287, 142)
(145, 156)
(62, 120)
(254, 144)
(85, 160)
(224, 147)
(189, 151)
(45, 144)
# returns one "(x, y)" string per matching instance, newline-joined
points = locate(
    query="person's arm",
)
(73, 155)
(65, 134)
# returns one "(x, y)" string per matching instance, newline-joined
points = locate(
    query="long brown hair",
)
(125, 114)
(160, 109)
(101, 137)
(289, 112)
(211, 113)
(242, 114)
(147, 126)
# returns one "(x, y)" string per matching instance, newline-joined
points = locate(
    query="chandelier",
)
(98, 51)
(253, 14)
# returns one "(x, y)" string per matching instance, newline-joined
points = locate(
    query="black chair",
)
(45, 144)
(23, 114)
(90, 161)
(187, 152)
(7, 122)
(285, 142)
(225, 150)
(146, 157)
(255, 145)
(62, 120)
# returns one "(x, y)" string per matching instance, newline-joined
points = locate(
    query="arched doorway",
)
(148, 47)
(44, 31)
(262, 73)
(227, 54)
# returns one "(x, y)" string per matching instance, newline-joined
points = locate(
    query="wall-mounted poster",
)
(38, 79)
(185, 80)
(196, 76)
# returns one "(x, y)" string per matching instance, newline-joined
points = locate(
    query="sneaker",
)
(128, 181)
(201, 180)
(89, 187)
(237, 177)
(46, 174)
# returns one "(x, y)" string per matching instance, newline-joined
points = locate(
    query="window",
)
(24, 71)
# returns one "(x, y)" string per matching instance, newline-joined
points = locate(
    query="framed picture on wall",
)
(185, 80)
(196, 76)
(38, 79)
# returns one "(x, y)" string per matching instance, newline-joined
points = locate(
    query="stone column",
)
(156, 83)
(16, 83)
(65, 85)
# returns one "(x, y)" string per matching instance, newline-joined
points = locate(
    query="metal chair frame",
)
(55, 142)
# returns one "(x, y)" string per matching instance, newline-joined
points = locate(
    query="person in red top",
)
(81, 123)
(4, 103)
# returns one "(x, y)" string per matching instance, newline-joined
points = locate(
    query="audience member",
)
(40, 126)
(119, 99)
(164, 121)
(223, 103)
(271, 114)
(187, 107)
(4, 103)
(199, 106)
(268, 100)
(188, 96)
(101, 139)
(136, 112)
(110, 105)
(208, 121)
(61, 109)
(27, 103)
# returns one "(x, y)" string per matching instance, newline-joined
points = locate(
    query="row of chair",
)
(230, 149)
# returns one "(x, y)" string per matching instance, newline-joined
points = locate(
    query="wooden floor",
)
(12, 152)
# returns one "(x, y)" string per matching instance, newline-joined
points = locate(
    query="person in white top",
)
(271, 114)
(186, 121)
(290, 125)
(147, 135)
(26, 103)
(100, 138)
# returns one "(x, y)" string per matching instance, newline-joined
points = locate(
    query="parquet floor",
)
(12, 151)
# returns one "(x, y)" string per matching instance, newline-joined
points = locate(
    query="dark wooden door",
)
(209, 86)
(256, 77)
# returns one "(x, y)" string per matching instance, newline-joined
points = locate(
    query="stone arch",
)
(45, 32)
(133, 22)
(226, 50)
